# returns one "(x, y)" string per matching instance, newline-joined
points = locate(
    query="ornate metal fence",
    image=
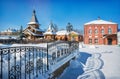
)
(59, 50)
(28, 62)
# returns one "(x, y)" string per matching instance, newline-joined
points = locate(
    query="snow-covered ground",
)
(110, 56)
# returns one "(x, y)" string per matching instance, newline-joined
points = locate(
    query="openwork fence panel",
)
(60, 50)
(28, 62)
(22, 62)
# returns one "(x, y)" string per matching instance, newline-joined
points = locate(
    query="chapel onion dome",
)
(34, 19)
(50, 30)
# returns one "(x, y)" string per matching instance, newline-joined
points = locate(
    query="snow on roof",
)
(62, 32)
(50, 29)
(74, 32)
(33, 33)
(37, 29)
(99, 21)
(65, 32)
(18, 45)
(34, 19)
(52, 33)
(32, 23)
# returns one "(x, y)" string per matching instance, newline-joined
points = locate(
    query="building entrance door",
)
(109, 41)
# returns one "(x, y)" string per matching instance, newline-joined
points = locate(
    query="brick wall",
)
(99, 35)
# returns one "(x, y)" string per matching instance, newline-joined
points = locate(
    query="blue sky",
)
(14, 13)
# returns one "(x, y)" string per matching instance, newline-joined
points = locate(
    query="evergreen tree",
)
(21, 33)
(69, 27)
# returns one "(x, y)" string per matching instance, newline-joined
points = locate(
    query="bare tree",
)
(80, 31)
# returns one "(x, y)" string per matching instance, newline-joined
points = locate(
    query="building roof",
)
(62, 32)
(65, 32)
(49, 33)
(74, 32)
(34, 34)
(99, 21)
(50, 30)
(36, 29)
(33, 19)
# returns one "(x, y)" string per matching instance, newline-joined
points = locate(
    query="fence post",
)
(9, 64)
(20, 62)
(1, 64)
(47, 57)
(25, 61)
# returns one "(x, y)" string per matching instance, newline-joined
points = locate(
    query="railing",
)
(24, 41)
(28, 62)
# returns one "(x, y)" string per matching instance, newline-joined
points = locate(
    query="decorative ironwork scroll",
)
(39, 64)
(15, 72)
(29, 67)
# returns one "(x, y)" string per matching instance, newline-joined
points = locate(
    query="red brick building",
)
(100, 32)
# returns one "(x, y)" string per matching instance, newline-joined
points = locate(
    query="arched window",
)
(90, 31)
(33, 30)
(96, 41)
(29, 27)
(90, 41)
(102, 31)
(96, 31)
(109, 30)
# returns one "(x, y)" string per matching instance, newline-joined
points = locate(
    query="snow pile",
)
(17, 45)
